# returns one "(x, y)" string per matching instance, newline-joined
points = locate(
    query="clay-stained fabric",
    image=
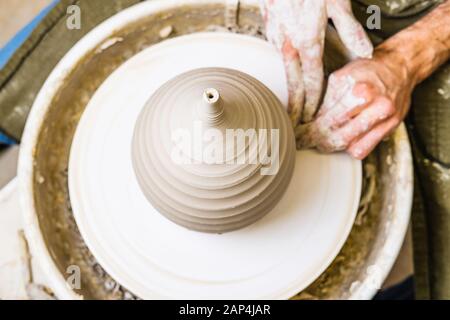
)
(395, 14)
(429, 128)
(400, 8)
(24, 74)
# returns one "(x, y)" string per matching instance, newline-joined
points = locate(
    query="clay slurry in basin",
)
(213, 150)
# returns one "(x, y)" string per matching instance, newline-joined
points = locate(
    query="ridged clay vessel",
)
(213, 150)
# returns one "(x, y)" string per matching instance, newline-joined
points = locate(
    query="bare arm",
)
(422, 47)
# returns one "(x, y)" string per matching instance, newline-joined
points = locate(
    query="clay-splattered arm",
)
(367, 99)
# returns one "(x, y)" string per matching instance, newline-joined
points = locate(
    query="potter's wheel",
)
(276, 257)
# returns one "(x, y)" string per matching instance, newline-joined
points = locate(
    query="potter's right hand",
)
(365, 101)
(297, 29)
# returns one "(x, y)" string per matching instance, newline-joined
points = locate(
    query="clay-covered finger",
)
(336, 127)
(310, 38)
(338, 87)
(362, 95)
(274, 18)
(311, 135)
(363, 146)
(345, 104)
(275, 32)
(377, 112)
(306, 135)
(350, 30)
(292, 66)
(333, 94)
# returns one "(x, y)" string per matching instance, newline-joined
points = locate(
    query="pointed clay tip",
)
(211, 95)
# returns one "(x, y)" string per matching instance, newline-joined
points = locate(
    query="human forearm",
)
(419, 50)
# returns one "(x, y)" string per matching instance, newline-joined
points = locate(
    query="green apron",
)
(429, 130)
(22, 77)
(26, 71)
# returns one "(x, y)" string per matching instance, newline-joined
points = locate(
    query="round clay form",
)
(213, 150)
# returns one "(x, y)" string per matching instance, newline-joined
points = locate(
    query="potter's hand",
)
(297, 28)
(365, 101)
(368, 98)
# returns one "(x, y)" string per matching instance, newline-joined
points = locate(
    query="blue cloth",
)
(8, 50)
(5, 140)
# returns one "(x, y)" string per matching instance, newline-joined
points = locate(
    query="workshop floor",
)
(14, 14)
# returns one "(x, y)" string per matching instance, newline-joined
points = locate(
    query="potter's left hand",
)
(297, 28)
(365, 101)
